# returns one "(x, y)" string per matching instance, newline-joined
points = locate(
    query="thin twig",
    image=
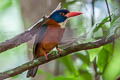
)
(93, 12)
(96, 76)
(108, 9)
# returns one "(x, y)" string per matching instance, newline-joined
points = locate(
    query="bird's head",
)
(63, 14)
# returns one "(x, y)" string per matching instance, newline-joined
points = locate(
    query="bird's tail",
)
(32, 72)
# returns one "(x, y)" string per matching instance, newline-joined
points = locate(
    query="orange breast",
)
(51, 39)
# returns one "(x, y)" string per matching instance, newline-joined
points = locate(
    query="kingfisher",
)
(49, 35)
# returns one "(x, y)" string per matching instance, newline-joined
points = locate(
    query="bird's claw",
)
(46, 56)
(59, 51)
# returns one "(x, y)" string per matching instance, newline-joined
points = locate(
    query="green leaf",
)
(39, 71)
(114, 18)
(101, 24)
(69, 64)
(103, 57)
(68, 3)
(83, 57)
(112, 70)
(70, 77)
(93, 53)
(115, 25)
(5, 4)
(63, 78)
(86, 75)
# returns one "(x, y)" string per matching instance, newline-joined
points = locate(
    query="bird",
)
(49, 35)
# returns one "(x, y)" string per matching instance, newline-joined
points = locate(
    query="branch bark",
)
(69, 50)
(21, 38)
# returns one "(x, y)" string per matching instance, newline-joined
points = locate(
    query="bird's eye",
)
(62, 14)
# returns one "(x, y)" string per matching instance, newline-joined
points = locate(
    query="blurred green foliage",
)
(11, 25)
(112, 70)
(69, 64)
(5, 4)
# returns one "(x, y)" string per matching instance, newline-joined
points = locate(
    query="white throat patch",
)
(62, 24)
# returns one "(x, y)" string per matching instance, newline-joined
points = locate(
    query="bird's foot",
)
(58, 50)
(46, 56)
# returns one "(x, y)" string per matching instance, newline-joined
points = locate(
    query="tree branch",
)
(21, 38)
(69, 50)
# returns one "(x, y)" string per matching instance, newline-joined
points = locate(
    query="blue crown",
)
(58, 17)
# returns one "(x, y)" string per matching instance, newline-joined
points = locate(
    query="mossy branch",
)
(67, 51)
